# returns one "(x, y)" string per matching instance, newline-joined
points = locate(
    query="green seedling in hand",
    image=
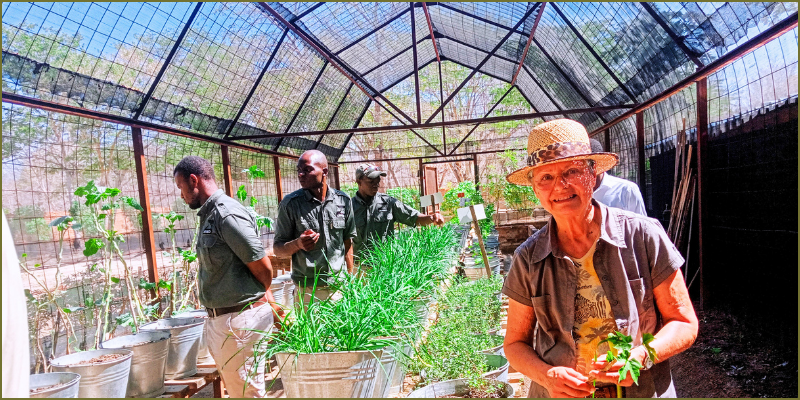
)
(620, 351)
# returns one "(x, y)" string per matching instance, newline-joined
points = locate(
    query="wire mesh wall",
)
(262, 188)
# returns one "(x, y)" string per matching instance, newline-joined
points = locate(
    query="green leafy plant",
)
(181, 286)
(409, 196)
(103, 203)
(252, 173)
(451, 204)
(620, 346)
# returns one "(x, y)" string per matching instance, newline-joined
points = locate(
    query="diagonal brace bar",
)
(303, 103)
(675, 38)
(168, 60)
(528, 45)
(482, 63)
(511, 87)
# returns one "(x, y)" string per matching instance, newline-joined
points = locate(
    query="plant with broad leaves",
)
(241, 194)
(620, 346)
(103, 204)
(181, 287)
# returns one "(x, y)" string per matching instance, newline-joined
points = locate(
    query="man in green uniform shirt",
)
(233, 279)
(375, 213)
(315, 227)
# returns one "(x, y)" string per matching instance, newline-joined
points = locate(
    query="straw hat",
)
(556, 141)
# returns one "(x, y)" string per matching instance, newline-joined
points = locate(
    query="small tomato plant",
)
(620, 351)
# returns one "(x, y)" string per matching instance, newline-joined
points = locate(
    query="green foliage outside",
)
(350, 189)
(409, 196)
(451, 204)
(33, 223)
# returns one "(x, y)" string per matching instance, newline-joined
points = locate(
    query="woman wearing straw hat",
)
(592, 270)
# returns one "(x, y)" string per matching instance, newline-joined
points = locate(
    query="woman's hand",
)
(566, 382)
(609, 373)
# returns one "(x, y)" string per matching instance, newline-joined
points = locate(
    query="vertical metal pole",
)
(477, 173)
(702, 149)
(607, 134)
(226, 172)
(278, 185)
(421, 184)
(335, 177)
(148, 236)
(441, 95)
(640, 153)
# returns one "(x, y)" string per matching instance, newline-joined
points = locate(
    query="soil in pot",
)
(479, 394)
(102, 359)
(41, 389)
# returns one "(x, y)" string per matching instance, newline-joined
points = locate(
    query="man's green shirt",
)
(331, 218)
(228, 239)
(375, 219)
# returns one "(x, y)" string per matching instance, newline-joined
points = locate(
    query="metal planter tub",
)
(455, 387)
(390, 376)
(54, 385)
(422, 308)
(150, 349)
(345, 374)
(98, 379)
(183, 346)
(498, 368)
(203, 354)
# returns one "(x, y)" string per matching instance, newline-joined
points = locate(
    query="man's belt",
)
(216, 312)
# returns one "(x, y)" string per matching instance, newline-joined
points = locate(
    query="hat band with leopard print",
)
(556, 151)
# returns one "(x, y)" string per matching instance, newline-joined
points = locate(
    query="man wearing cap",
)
(591, 271)
(375, 213)
(616, 192)
(233, 279)
(315, 227)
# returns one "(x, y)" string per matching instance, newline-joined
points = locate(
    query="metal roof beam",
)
(488, 21)
(334, 60)
(675, 38)
(567, 78)
(306, 12)
(416, 67)
(386, 61)
(594, 53)
(424, 157)
(255, 85)
(430, 29)
(528, 44)
(303, 103)
(370, 33)
(350, 135)
(759, 40)
(482, 63)
(167, 61)
(118, 119)
(510, 88)
(470, 121)
(333, 117)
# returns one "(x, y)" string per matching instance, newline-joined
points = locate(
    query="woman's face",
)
(564, 188)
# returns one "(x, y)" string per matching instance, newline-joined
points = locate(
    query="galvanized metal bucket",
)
(104, 379)
(499, 368)
(390, 376)
(65, 385)
(457, 387)
(150, 349)
(344, 374)
(203, 354)
(183, 346)
(421, 306)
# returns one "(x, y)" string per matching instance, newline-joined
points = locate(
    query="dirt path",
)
(731, 360)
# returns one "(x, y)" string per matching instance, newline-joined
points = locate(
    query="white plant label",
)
(464, 216)
(431, 199)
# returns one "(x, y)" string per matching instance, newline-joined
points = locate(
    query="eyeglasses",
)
(572, 175)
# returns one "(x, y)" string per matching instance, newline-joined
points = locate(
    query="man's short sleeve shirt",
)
(331, 218)
(375, 220)
(228, 239)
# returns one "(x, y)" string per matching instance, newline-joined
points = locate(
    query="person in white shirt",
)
(16, 352)
(616, 192)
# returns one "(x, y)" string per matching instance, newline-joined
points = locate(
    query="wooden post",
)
(702, 149)
(608, 139)
(478, 232)
(148, 237)
(226, 172)
(640, 154)
(278, 186)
